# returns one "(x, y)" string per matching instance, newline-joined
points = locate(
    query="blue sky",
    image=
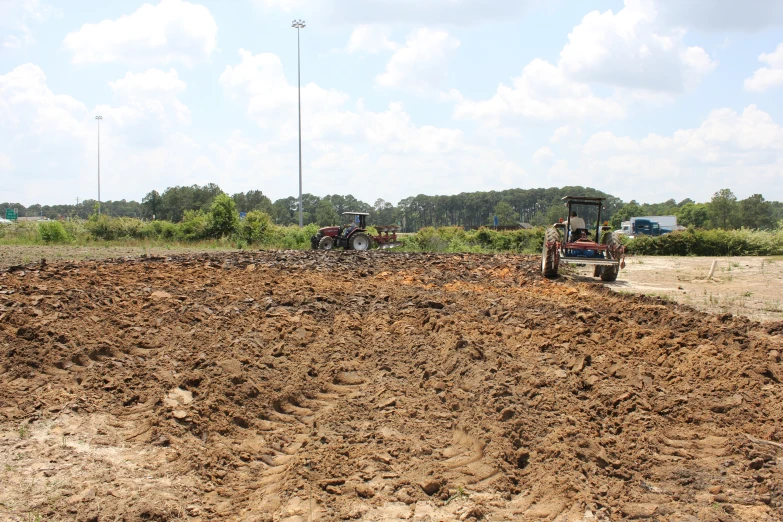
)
(645, 99)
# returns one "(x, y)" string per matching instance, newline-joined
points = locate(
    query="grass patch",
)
(772, 306)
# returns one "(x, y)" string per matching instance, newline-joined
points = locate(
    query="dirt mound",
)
(375, 386)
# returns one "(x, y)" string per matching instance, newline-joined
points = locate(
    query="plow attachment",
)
(387, 236)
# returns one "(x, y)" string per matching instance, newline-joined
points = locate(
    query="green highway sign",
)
(10, 214)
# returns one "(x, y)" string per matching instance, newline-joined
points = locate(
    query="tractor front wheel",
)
(549, 254)
(326, 243)
(360, 242)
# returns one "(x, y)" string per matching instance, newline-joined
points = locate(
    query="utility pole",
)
(99, 118)
(299, 24)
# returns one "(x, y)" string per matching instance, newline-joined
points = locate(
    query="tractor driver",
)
(348, 227)
(577, 224)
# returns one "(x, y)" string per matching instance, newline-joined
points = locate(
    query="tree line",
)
(723, 211)
(540, 206)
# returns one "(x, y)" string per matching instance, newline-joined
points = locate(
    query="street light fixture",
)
(99, 118)
(299, 24)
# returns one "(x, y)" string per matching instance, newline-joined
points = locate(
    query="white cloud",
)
(421, 65)
(52, 138)
(283, 5)
(727, 149)
(272, 100)
(28, 107)
(541, 94)
(151, 81)
(561, 174)
(41, 134)
(767, 77)
(543, 155)
(370, 39)
(6, 165)
(345, 139)
(630, 49)
(16, 17)
(457, 12)
(171, 31)
(566, 134)
(721, 15)
(271, 103)
(153, 93)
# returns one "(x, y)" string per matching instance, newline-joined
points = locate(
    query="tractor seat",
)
(576, 235)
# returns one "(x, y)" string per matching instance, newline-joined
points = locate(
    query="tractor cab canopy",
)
(586, 208)
(357, 219)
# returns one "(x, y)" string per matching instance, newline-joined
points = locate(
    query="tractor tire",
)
(548, 263)
(609, 273)
(360, 242)
(326, 243)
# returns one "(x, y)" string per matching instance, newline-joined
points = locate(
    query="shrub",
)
(194, 225)
(709, 243)
(105, 228)
(438, 239)
(165, 230)
(76, 228)
(525, 240)
(99, 227)
(255, 228)
(53, 232)
(223, 217)
(292, 237)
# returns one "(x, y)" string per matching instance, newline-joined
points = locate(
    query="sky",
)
(643, 99)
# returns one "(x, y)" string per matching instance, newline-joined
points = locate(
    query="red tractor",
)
(571, 241)
(353, 235)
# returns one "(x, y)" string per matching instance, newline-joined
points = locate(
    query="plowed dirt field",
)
(376, 386)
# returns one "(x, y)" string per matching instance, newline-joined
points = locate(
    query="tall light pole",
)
(99, 118)
(299, 24)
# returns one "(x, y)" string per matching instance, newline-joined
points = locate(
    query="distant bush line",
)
(221, 227)
(694, 242)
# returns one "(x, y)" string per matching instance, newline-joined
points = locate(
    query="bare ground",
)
(747, 286)
(377, 386)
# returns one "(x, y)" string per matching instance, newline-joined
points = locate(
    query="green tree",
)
(325, 214)
(554, 213)
(384, 213)
(152, 204)
(754, 212)
(505, 213)
(723, 209)
(625, 213)
(693, 215)
(223, 216)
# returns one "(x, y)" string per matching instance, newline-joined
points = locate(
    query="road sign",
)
(10, 214)
(242, 215)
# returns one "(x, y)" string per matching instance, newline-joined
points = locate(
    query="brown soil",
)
(376, 386)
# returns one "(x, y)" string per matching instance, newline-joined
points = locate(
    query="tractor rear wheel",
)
(609, 273)
(549, 255)
(360, 242)
(326, 243)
